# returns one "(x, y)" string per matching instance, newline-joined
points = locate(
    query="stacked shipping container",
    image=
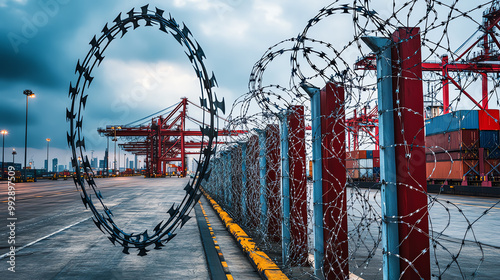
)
(463, 146)
(363, 164)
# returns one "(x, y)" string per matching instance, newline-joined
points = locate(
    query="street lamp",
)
(14, 153)
(28, 93)
(114, 139)
(124, 161)
(3, 149)
(48, 141)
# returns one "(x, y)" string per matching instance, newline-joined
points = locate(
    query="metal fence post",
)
(314, 94)
(285, 187)
(410, 154)
(389, 196)
(262, 176)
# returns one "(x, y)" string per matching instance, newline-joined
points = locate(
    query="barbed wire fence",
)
(341, 223)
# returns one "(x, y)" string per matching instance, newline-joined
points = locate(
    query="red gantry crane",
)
(164, 140)
(485, 61)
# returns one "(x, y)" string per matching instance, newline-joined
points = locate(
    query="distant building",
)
(131, 164)
(60, 168)
(46, 165)
(102, 164)
(54, 165)
(93, 163)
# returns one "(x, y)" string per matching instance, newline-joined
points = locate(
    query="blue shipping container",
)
(369, 154)
(463, 119)
(488, 139)
(376, 171)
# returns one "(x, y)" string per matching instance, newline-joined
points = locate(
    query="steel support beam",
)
(389, 196)
(314, 94)
(285, 189)
(298, 193)
(410, 154)
(336, 260)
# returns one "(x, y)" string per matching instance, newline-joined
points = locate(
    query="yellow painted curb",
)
(265, 266)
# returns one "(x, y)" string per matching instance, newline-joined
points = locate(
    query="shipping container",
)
(488, 119)
(376, 171)
(449, 156)
(356, 154)
(461, 140)
(376, 162)
(366, 163)
(366, 173)
(362, 154)
(351, 163)
(458, 120)
(376, 153)
(456, 170)
(369, 154)
(488, 139)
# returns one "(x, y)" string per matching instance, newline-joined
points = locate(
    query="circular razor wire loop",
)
(84, 179)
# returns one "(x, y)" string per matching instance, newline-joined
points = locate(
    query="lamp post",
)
(114, 139)
(28, 93)
(14, 153)
(48, 141)
(3, 149)
(124, 161)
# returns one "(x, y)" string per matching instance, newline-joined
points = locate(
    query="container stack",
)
(363, 164)
(463, 146)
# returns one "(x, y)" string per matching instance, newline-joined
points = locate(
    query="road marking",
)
(474, 205)
(265, 266)
(45, 237)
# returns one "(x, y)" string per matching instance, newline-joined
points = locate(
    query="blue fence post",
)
(285, 187)
(319, 251)
(244, 181)
(390, 236)
(262, 175)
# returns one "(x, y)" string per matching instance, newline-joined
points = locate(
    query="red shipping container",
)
(362, 154)
(458, 170)
(465, 140)
(489, 119)
(376, 153)
(448, 156)
(376, 161)
(351, 163)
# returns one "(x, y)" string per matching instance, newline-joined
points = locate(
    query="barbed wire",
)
(248, 171)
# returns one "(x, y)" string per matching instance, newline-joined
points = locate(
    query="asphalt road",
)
(464, 228)
(58, 239)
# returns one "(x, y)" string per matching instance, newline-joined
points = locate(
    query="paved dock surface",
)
(60, 241)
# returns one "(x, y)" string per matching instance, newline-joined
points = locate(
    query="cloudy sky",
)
(144, 72)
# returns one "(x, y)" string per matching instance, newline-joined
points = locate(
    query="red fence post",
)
(333, 130)
(298, 193)
(253, 183)
(410, 154)
(273, 175)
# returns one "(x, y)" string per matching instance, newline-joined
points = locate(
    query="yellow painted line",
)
(265, 266)
(39, 196)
